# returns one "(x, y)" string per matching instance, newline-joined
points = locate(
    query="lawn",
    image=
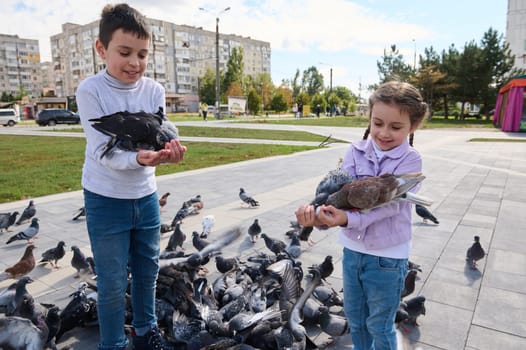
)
(38, 166)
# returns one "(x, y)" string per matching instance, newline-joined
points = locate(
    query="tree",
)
(263, 84)
(312, 81)
(428, 79)
(393, 67)
(278, 102)
(253, 102)
(234, 89)
(295, 84)
(235, 68)
(207, 87)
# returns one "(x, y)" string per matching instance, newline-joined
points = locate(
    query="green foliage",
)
(393, 67)
(207, 88)
(235, 68)
(253, 102)
(312, 81)
(278, 102)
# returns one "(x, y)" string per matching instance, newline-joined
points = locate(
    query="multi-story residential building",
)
(19, 66)
(48, 78)
(179, 56)
(516, 31)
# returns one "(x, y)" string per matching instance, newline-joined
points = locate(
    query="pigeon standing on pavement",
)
(79, 213)
(425, 214)
(28, 233)
(294, 246)
(20, 333)
(274, 245)
(79, 262)
(475, 253)
(24, 266)
(28, 213)
(409, 283)
(208, 223)
(53, 255)
(415, 307)
(254, 230)
(163, 200)
(251, 202)
(371, 192)
(176, 239)
(7, 220)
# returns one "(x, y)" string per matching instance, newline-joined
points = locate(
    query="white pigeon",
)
(208, 223)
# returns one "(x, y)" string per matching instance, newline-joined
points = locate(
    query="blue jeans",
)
(122, 232)
(371, 290)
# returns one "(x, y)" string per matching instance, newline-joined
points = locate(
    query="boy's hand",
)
(173, 152)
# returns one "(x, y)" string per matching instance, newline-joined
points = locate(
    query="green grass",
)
(38, 166)
(481, 139)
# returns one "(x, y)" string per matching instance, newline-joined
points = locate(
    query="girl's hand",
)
(331, 216)
(173, 152)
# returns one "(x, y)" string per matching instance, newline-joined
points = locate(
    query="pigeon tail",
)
(416, 199)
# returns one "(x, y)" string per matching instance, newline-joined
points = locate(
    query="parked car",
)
(54, 116)
(8, 117)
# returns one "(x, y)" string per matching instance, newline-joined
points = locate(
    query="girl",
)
(377, 243)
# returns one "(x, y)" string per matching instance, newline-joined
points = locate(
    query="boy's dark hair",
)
(403, 95)
(121, 16)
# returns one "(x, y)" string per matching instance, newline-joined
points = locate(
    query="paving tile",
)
(481, 338)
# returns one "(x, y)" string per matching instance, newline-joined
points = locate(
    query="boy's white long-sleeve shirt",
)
(116, 175)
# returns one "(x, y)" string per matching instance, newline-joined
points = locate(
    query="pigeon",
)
(79, 213)
(24, 266)
(251, 202)
(20, 333)
(28, 233)
(409, 283)
(222, 241)
(254, 230)
(53, 323)
(28, 213)
(165, 228)
(135, 131)
(198, 242)
(413, 266)
(53, 255)
(415, 307)
(7, 220)
(274, 245)
(333, 324)
(163, 200)
(196, 202)
(371, 192)
(23, 303)
(332, 182)
(79, 262)
(79, 312)
(224, 265)
(475, 253)
(186, 210)
(208, 223)
(8, 295)
(425, 214)
(294, 247)
(176, 239)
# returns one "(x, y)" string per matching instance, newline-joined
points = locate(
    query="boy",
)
(120, 191)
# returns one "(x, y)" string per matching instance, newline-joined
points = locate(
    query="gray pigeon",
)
(53, 255)
(475, 253)
(79, 262)
(425, 214)
(28, 233)
(294, 246)
(252, 203)
(20, 333)
(333, 324)
(79, 213)
(28, 213)
(7, 220)
(254, 230)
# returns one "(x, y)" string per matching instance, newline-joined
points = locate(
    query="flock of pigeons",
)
(261, 300)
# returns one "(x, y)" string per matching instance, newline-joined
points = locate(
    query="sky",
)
(347, 36)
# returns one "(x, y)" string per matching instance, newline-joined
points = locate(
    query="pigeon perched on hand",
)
(254, 230)
(135, 131)
(24, 266)
(475, 253)
(28, 213)
(53, 255)
(28, 233)
(371, 192)
(425, 214)
(7, 220)
(251, 202)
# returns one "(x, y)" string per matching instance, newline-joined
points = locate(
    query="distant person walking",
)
(204, 110)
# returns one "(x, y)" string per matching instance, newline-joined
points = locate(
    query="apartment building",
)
(179, 56)
(516, 31)
(19, 66)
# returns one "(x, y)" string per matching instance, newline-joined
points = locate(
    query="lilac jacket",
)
(385, 226)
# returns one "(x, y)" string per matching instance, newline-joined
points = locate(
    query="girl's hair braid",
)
(367, 131)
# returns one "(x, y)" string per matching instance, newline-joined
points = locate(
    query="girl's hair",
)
(121, 16)
(403, 95)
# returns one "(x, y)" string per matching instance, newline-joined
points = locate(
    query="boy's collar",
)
(117, 83)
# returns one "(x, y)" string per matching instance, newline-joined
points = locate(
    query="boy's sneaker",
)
(152, 340)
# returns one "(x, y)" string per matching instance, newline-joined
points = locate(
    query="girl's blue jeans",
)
(371, 289)
(123, 232)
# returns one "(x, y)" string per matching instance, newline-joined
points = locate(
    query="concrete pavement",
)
(479, 188)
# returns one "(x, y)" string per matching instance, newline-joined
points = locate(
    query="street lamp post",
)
(217, 112)
(330, 75)
(414, 57)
